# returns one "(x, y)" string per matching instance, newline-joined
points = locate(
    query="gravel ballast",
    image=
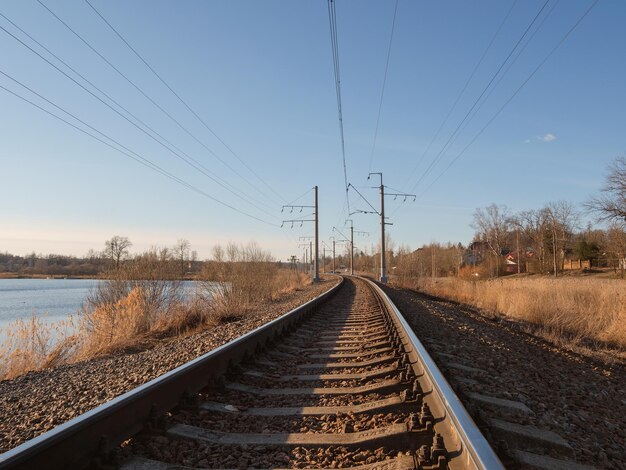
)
(580, 398)
(38, 401)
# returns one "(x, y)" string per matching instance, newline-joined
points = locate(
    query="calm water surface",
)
(50, 299)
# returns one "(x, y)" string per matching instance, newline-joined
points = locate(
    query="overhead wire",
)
(190, 109)
(440, 154)
(137, 87)
(460, 94)
(382, 92)
(332, 18)
(171, 148)
(509, 66)
(520, 51)
(300, 197)
(363, 197)
(515, 93)
(122, 149)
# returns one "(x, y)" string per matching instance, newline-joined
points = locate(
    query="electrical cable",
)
(497, 83)
(439, 155)
(382, 92)
(521, 86)
(299, 197)
(192, 111)
(332, 17)
(181, 155)
(127, 152)
(363, 197)
(456, 101)
(119, 72)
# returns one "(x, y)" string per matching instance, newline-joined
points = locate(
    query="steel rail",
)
(75, 444)
(473, 452)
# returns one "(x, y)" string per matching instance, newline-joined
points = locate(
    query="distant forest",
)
(52, 265)
(95, 263)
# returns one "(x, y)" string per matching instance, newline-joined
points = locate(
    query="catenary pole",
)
(317, 243)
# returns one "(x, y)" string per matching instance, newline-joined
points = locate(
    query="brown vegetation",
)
(239, 275)
(143, 300)
(578, 311)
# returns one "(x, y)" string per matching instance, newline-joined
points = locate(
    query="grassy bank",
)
(579, 311)
(138, 305)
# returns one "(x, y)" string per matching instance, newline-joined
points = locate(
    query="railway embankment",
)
(38, 401)
(501, 371)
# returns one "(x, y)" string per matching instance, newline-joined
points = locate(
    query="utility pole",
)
(333, 238)
(519, 257)
(305, 263)
(383, 254)
(351, 248)
(324, 247)
(315, 207)
(383, 258)
(317, 241)
(352, 232)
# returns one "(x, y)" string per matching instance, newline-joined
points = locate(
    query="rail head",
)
(479, 454)
(74, 443)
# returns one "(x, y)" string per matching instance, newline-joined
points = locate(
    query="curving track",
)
(340, 382)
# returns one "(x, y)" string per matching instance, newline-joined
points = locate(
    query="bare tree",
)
(533, 225)
(181, 251)
(616, 245)
(611, 205)
(492, 224)
(562, 219)
(117, 249)
(218, 253)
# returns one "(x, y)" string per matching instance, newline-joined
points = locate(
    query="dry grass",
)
(34, 344)
(129, 314)
(579, 310)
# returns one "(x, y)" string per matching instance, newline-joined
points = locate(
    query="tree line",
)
(116, 252)
(538, 240)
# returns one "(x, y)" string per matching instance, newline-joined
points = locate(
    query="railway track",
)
(339, 382)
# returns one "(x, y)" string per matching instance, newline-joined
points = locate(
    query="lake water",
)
(50, 299)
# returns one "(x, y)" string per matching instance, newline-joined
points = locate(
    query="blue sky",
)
(260, 75)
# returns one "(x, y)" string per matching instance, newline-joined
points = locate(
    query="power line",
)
(332, 18)
(123, 150)
(509, 66)
(170, 147)
(191, 110)
(125, 77)
(363, 197)
(382, 92)
(456, 101)
(522, 85)
(439, 155)
(511, 63)
(300, 197)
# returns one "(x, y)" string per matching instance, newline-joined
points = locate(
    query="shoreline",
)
(38, 401)
(44, 276)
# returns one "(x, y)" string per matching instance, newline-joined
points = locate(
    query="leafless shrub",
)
(239, 276)
(152, 278)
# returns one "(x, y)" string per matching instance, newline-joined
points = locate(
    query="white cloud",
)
(527, 141)
(548, 138)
